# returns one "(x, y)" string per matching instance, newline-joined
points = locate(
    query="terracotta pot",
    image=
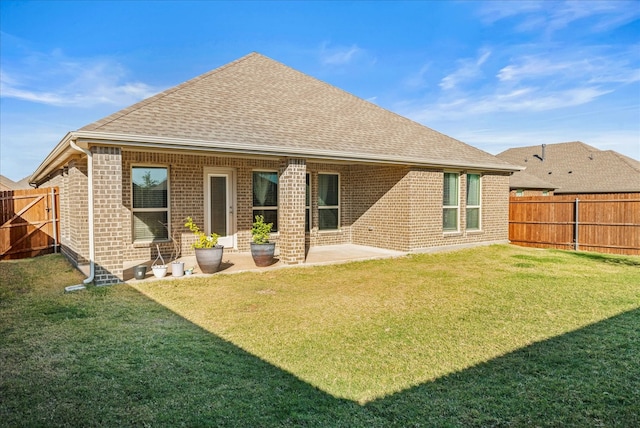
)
(263, 253)
(209, 259)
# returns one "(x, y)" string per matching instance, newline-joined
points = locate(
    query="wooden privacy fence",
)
(29, 222)
(604, 223)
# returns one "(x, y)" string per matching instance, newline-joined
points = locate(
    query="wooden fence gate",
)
(29, 222)
(603, 223)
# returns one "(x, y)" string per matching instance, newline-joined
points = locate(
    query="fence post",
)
(576, 226)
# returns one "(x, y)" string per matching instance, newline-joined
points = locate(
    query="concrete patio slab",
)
(242, 262)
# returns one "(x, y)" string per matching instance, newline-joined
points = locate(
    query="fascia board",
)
(167, 143)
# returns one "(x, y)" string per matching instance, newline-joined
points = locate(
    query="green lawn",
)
(493, 336)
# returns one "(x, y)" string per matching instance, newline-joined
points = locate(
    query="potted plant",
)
(208, 252)
(261, 249)
(159, 270)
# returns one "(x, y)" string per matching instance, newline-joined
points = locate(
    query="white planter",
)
(159, 271)
(177, 268)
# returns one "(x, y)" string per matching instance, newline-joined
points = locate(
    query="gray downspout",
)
(92, 250)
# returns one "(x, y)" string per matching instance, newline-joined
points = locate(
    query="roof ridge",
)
(157, 97)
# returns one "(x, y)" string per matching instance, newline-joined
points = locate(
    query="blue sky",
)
(493, 74)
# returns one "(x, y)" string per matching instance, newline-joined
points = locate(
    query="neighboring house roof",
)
(256, 105)
(8, 184)
(575, 167)
(524, 180)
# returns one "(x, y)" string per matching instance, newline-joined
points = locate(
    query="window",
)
(307, 204)
(545, 193)
(473, 201)
(328, 201)
(150, 203)
(450, 202)
(265, 197)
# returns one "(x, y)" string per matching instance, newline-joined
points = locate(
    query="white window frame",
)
(266, 208)
(142, 210)
(478, 207)
(449, 207)
(332, 207)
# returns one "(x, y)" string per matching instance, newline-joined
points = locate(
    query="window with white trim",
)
(150, 203)
(328, 201)
(450, 202)
(473, 202)
(265, 197)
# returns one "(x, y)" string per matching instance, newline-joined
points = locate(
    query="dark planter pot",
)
(263, 253)
(209, 259)
(140, 272)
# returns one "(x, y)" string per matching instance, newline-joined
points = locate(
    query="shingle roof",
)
(8, 184)
(256, 100)
(577, 168)
(524, 180)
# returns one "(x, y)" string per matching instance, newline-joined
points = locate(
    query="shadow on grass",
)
(144, 365)
(589, 377)
(606, 258)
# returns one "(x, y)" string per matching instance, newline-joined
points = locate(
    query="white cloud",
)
(551, 16)
(590, 67)
(526, 99)
(53, 79)
(467, 70)
(339, 55)
(418, 80)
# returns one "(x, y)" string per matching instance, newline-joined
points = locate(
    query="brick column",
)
(108, 216)
(291, 201)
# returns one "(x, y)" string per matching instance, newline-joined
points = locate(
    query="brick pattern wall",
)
(186, 196)
(384, 206)
(76, 233)
(291, 215)
(380, 205)
(108, 214)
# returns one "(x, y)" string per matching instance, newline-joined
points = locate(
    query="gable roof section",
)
(258, 106)
(576, 167)
(256, 101)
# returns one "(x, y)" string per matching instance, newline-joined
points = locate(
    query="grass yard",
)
(492, 336)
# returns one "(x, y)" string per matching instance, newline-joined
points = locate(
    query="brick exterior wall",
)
(74, 215)
(291, 210)
(109, 214)
(393, 207)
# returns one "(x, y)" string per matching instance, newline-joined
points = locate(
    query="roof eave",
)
(55, 159)
(169, 143)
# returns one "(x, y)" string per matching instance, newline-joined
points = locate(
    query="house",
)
(571, 168)
(8, 184)
(257, 137)
(522, 183)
